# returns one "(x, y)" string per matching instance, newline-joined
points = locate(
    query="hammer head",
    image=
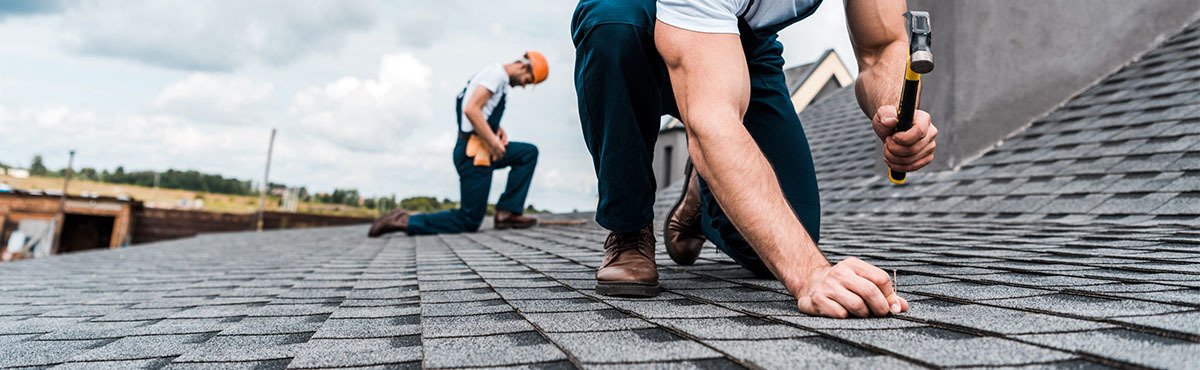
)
(920, 41)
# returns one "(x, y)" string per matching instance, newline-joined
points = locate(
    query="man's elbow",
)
(714, 128)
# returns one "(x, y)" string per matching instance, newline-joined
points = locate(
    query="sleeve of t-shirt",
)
(708, 16)
(492, 79)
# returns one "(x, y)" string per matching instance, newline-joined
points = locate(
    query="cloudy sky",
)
(362, 92)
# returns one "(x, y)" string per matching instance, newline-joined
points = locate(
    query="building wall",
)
(156, 224)
(676, 140)
(15, 207)
(1002, 63)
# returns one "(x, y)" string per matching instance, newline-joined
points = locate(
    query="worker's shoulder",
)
(590, 13)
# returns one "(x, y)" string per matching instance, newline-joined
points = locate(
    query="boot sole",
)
(627, 289)
(514, 226)
(687, 175)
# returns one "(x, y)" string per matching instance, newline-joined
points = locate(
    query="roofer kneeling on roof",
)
(716, 64)
(482, 147)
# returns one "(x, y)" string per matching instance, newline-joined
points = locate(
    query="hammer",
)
(920, 61)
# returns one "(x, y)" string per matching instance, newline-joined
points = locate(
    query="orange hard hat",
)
(538, 62)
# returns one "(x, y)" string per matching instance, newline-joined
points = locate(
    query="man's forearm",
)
(737, 172)
(712, 88)
(880, 82)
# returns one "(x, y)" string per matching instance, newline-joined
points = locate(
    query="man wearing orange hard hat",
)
(482, 147)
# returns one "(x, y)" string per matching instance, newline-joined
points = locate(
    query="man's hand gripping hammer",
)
(920, 61)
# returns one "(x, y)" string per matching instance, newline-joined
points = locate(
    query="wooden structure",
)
(100, 222)
(155, 224)
(107, 222)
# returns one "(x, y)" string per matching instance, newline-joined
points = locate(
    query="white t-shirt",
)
(721, 16)
(493, 78)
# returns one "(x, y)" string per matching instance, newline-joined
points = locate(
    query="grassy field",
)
(168, 198)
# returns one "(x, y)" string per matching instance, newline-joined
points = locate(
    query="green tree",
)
(87, 173)
(37, 168)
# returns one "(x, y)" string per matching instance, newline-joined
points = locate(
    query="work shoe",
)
(395, 221)
(505, 220)
(628, 269)
(681, 232)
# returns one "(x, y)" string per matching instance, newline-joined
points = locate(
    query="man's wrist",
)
(797, 280)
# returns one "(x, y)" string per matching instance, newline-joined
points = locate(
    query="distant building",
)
(16, 172)
(806, 83)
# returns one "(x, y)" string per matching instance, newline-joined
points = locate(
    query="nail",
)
(895, 308)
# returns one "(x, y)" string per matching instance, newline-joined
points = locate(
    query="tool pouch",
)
(480, 150)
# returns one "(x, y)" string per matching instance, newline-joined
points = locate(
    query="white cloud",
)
(209, 98)
(370, 115)
(211, 35)
(361, 91)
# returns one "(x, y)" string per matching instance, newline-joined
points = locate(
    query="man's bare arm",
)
(880, 40)
(712, 89)
(474, 112)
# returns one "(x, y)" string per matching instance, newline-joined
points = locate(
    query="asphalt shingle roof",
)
(1073, 244)
(982, 293)
(1126, 150)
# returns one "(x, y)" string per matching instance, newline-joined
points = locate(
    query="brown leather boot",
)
(681, 231)
(505, 220)
(397, 220)
(628, 269)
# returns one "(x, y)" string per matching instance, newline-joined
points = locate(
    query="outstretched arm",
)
(712, 89)
(880, 42)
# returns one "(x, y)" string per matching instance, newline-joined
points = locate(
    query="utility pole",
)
(266, 184)
(61, 217)
(62, 205)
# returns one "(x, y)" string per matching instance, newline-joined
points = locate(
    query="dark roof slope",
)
(1126, 150)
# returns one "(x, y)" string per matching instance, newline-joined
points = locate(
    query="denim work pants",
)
(624, 89)
(474, 184)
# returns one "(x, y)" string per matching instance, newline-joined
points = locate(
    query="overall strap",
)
(494, 119)
(458, 102)
(747, 10)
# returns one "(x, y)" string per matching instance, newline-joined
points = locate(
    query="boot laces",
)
(621, 242)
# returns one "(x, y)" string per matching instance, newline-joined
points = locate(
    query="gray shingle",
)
(464, 308)
(245, 348)
(1088, 306)
(493, 350)
(947, 348)
(738, 327)
(42, 353)
(586, 321)
(275, 325)
(996, 320)
(1184, 322)
(557, 305)
(487, 324)
(1133, 347)
(629, 346)
(675, 308)
(973, 291)
(129, 364)
(357, 352)
(369, 328)
(807, 352)
(144, 347)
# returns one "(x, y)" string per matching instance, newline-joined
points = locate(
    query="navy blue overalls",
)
(623, 90)
(476, 181)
